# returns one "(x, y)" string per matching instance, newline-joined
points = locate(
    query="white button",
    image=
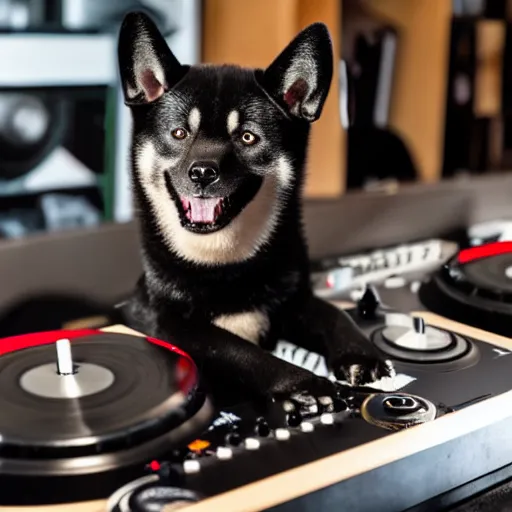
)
(191, 466)
(327, 419)
(306, 426)
(282, 434)
(252, 444)
(395, 282)
(415, 286)
(224, 453)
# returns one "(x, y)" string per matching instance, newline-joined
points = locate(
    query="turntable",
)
(475, 287)
(83, 410)
(135, 432)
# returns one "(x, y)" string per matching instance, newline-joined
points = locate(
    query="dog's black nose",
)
(204, 173)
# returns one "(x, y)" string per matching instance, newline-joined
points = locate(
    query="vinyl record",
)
(128, 399)
(493, 274)
(475, 288)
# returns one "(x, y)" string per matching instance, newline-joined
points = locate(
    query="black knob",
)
(294, 419)
(262, 429)
(339, 405)
(368, 304)
(156, 497)
(233, 438)
(203, 173)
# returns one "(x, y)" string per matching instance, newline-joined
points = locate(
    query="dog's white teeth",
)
(203, 210)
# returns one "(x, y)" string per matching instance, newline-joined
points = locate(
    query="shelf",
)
(252, 34)
(39, 60)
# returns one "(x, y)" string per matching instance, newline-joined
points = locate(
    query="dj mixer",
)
(112, 420)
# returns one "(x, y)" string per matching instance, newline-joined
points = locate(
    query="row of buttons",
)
(191, 466)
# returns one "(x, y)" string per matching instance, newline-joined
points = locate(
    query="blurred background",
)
(415, 139)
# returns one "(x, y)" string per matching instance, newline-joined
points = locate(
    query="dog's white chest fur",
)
(249, 326)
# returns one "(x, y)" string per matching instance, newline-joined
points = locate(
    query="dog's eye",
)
(179, 133)
(248, 138)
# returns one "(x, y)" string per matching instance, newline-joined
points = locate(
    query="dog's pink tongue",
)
(203, 209)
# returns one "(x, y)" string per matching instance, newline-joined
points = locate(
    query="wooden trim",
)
(490, 47)
(342, 466)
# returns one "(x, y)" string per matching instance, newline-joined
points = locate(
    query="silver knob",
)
(412, 333)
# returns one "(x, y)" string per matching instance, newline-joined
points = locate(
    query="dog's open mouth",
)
(208, 214)
(203, 210)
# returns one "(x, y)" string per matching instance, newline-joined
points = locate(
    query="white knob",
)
(412, 333)
(191, 466)
(224, 453)
(282, 434)
(413, 340)
(252, 444)
(64, 358)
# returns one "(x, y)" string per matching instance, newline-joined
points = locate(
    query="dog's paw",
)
(301, 384)
(360, 370)
(304, 384)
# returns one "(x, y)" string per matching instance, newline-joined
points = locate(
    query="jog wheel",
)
(475, 288)
(150, 493)
(409, 339)
(92, 405)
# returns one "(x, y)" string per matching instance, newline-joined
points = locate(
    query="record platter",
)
(83, 410)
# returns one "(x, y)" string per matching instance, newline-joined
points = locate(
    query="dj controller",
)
(112, 420)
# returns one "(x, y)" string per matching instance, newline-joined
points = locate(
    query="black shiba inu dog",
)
(218, 156)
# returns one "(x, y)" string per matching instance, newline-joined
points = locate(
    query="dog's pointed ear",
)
(300, 77)
(147, 66)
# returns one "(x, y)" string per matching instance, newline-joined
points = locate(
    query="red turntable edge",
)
(75, 423)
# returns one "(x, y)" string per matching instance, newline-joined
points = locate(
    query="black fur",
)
(177, 298)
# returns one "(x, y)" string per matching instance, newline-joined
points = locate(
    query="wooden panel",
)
(327, 160)
(419, 96)
(490, 37)
(247, 33)
(253, 34)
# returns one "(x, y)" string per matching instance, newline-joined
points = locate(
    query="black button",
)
(233, 438)
(368, 304)
(294, 419)
(339, 405)
(262, 429)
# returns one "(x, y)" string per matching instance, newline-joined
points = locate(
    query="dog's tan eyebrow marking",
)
(194, 119)
(233, 121)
